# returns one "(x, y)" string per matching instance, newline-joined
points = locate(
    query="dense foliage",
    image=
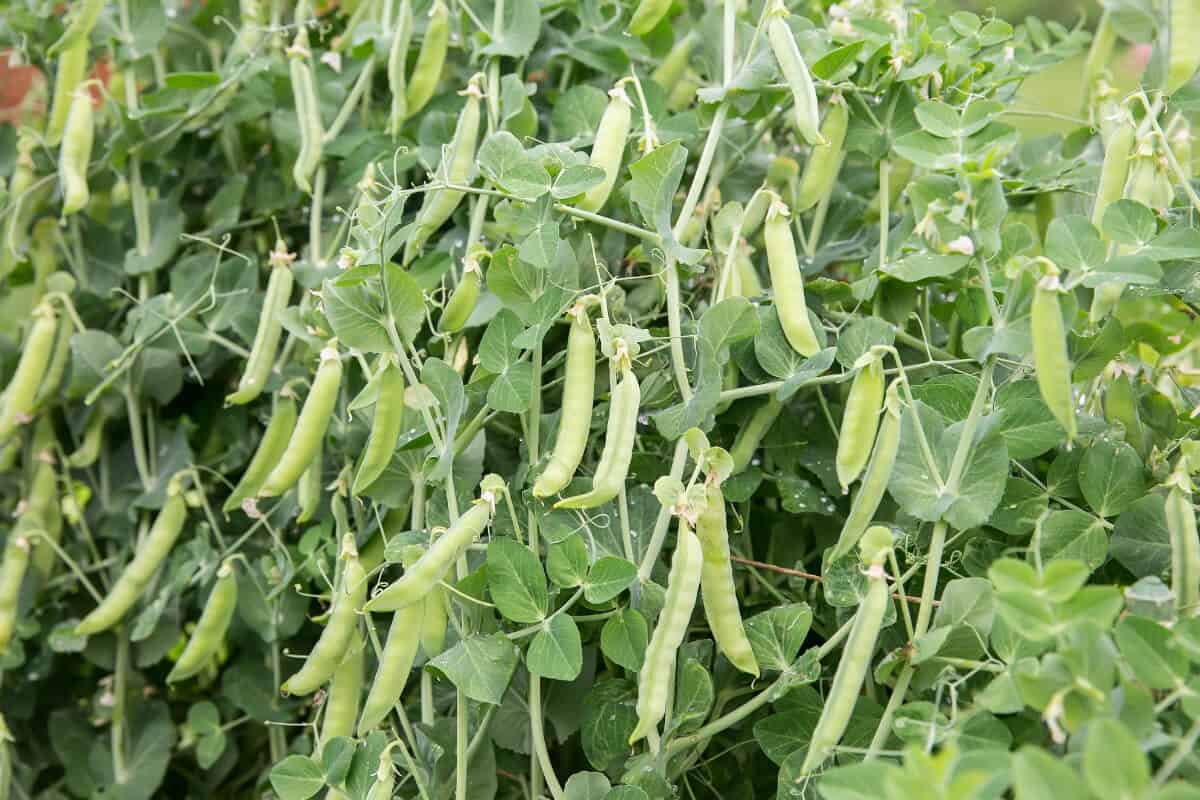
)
(596, 399)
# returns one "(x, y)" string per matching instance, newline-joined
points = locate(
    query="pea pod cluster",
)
(613, 467)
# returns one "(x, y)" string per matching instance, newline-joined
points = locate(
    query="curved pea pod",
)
(462, 300)
(647, 15)
(1185, 543)
(60, 356)
(76, 152)
(270, 449)
(440, 204)
(308, 113)
(20, 192)
(579, 386)
(875, 479)
(795, 73)
(431, 58)
(385, 777)
(429, 569)
(856, 654)
(1183, 54)
(20, 397)
(825, 161)
(787, 282)
(751, 434)
(859, 421)
(86, 13)
(68, 75)
(1051, 361)
(305, 442)
(345, 691)
(717, 589)
(42, 500)
(756, 212)
(1121, 406)
(675, 64)
(209, 634)
(1115, 169)
(395, 663)
(327, 654)
(17, 549)
(267, 334)
(148, 557)
(308, 488)
(619, 437)
(385, 428)
(609, 148)
(397, 80)
(658, 669)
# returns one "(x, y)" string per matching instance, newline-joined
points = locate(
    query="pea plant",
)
(598, 400)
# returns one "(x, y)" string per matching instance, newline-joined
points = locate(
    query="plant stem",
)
(347, 109)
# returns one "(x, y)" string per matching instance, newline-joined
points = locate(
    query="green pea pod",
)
(395, 663)
(856, 655)
(397, 80)
(787, 282)
(899, 174)
(751, 434)
(756, 212)
(619, 436)
(12, 574)
(795, 72)
(821, 170)
(859, 421)
(20, 398)
(1185, 544)
(1179, 139)
(717, 588)
(345, 690)
(1121, 406)
(308, 488)
(609, 147)
(210, 630)
(250, 32)
(425, 574)
(875, 479)
(270, 450)
(647, 15)
(43, 496)
(1050, 358)
(385, 428)
(371, 554)
(462, 300)
(305, 442)
(658, 669)
(87, 12)
(327, 654)
(149, 556)
(268, 332)
(1104, 40)
(20, 191)
(385, 777)
(1183, 54)
(76, 152)
(60, 356)
(1114, 171)
(675, 64)
(68, 75)
(431, 59)
(459, 158)
(433, 622)
(579, 386)
(308, 113)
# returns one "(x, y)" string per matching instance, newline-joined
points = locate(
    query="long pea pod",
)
(434, 619)
(395, 663)
(20, 397)
(1121, 406)
(345, 691)
(429, 569)
(1115, 169)
(60, 356)
(209, 633)
(326, 655)
(308, 488)
(619, 436)
(463, 299)
(1051, 361)
(270, 449)
(673, 66)
(647, 15)
(87, 12)
(787, 281)
(875, 479)
(397, 80)
(76, 152)
(68, 75)
(270, 328)
(856, 654)
(751, 434)
(1185, 543)
(457, 161)
(825, 161)
(308, 112)
(1104, 40)
(42, 499)
(21, 539)
(20, 192)
(1183, 50)
(860, 420)
(1179, 140)
(795, 72)
(305, 442)
(431, 59)
(579, 386)
(609, 147)
(658, 669)
(717, 589)
(385, 777)
(385, 428)
(149, 556)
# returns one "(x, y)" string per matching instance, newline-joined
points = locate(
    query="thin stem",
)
(461, 740)
(314, 216)
(120, 689)
(1185, 748)
(347, 109)
(663, 522)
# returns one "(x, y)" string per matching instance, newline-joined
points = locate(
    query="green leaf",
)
(1037, 775)
(405, 301)
(1028, 427)
(624, 637)
(1074, 244)
(608, 577)
(1110, 477)
(1020, 508)
(190, 81)
(923, 266)
(446, 386)
(556, 651)
(481, 666)
(515, 581)
(336, 755)
(1140, 539)
(694, 697)
(1070, 534)
(1129, 222)
(586, 786)
(567, 562)
(512, 390)
(1151, 652)
(860, 336)
(854, 782)
(1113, 764)
(776, 635)
(502, 160)
(297, 778)
(656, 176)
(520, 31)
